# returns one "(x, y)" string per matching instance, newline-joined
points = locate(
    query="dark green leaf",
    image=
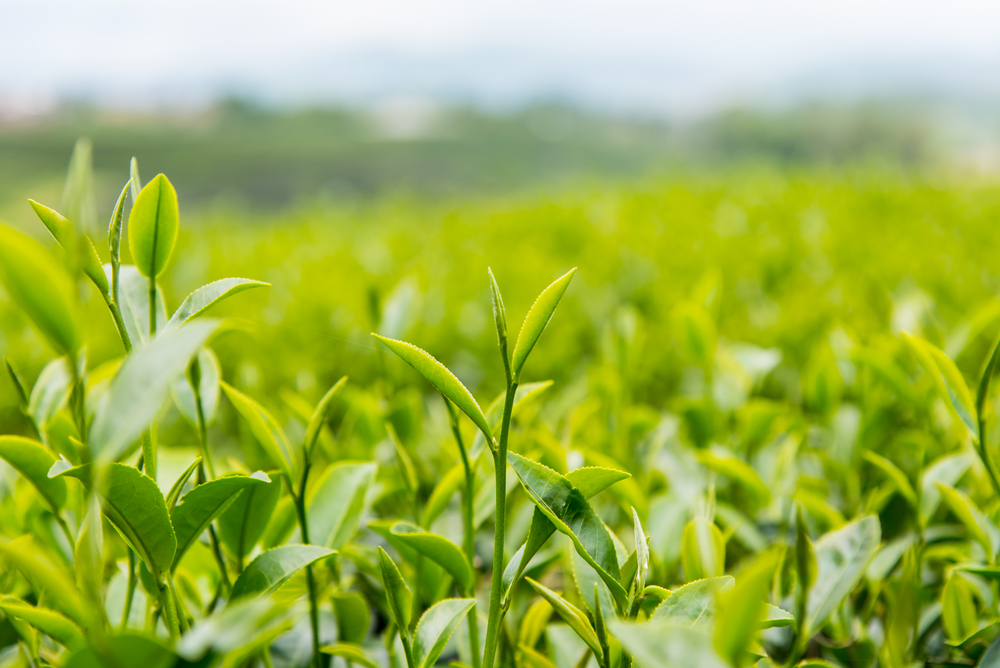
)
(196, 509)
(566, 507)
(242, 524)
(265, 574)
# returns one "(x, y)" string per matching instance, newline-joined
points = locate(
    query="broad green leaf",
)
(741, 609)
(397, 593)
(209, 376)
(33, 460)
(588, 583)
(129, 649)
(979, 525)
(196, 509)
(572, 615)
(49, 581)
(351, 653)
(946, 470)
(319, 416)
(694, 603)
(138, 390)
(703, 550)
(175, 490)
(60, 227)
(50, 392)
(659, 644)
(893, 473)
(738, 471)
(436, 627)
(337, 502)
(41, 288)
(264, 428)
(204, 297)
(948, 380)
(152, 226)
(134, 301)
(136, 508)
(567, 509)
(958, 609)
(243, 522)
(438, 549)
(499, 313)
(449, 483)
(53, 624)
(590, 480)
(841, 559)
(265, 574)
(353, 616)
(440, 377)
(535, 322)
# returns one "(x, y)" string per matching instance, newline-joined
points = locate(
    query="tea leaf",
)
(979, 525)
(175, 490)
(353, 616)
(572, 615)
(337, 503)
(351, 653)
(440, 377)
(41, 288)
(741, 609)
(134, 302)
(264, 428)
(115, 227)
(33, 460)
(565, 506)
(948, 379)
(694, 603)
(397, 593)
(48, 580)
(128, 649)
(946, 470)
(265, 574)
(537, 319)
(136, 507)
(841, 559)
(958, 610)
(196, 509)
(438, 549)
(50, 392)
(320, 415)
(204, 297)
(703, 550)
(775, 617)
(53, 624)
(893, 473)
(88, 555)
(436, 627)
(209, 376)
(659, 644)
(499, 313)
(152, 226)
(138, 390)
(242, 524)
(450, 482)
(738, 471)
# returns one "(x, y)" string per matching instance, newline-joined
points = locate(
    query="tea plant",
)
(846, 517)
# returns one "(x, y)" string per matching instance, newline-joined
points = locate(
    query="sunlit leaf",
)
(537, 319)
(33, 460)
(53, 624)
(242, 524)
(841, 559)
(204, 297)
(397, 592)
(264, 428)
(337, 502)
(572, 615)
(152, 226)
(265, 574)
(436, 627)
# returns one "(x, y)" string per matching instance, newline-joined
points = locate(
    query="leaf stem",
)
(169, 607)
(130, 592)
(496, 585)
(469, 543)
(300, 508)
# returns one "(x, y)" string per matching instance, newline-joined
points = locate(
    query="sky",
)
(613, 54)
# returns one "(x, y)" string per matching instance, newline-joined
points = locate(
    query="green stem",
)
(130, 592)
(496, 585)
(116, 314)
(407, 650)
(152, 307)
(182, 617)
(169, 608)
(469, 543)
(300, 507)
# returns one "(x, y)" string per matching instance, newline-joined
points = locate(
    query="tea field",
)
(749, 422)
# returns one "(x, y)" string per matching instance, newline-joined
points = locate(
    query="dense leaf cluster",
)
(854, 524)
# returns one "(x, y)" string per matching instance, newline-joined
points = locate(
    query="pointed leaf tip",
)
(537, 319)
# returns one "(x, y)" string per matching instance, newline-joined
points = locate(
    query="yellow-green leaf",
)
(537, 319)
(152, 226)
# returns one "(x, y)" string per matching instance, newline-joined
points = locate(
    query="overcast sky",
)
(622, 53)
